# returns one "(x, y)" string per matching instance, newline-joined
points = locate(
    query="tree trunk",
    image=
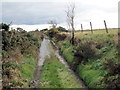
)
(72, 39)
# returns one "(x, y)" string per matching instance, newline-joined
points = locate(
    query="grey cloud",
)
(40, 12)
(32, 13)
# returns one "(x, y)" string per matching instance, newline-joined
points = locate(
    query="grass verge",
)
(27, 68)
(97, 70)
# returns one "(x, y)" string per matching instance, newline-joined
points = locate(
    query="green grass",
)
(97, 34)
(67, 51)
(27, 68)
(56, 75)
(92, 74)
(92, 71)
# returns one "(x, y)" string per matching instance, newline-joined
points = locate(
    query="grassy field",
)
(98, 34)
(97, 57)
(56, 75)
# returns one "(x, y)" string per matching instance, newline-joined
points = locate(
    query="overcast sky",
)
(38, 12)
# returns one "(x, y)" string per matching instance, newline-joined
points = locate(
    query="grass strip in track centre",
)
(56, 75)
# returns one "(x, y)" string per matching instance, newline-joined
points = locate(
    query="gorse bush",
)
(15, 39)
(85, 50)
(4, 26)
(55, 34)
(112, 66)
(112, 79)
(61, 29)
(77, 41)
(52, 32)
(118, 43)
(60, 37)
(17, 45)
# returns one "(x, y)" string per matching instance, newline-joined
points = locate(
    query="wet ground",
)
(46, 50)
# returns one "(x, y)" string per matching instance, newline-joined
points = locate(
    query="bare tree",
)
(70, 12)
(53, 23)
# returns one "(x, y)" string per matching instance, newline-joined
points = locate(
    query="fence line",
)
(106, 26)
(91, 28)
(81, 28)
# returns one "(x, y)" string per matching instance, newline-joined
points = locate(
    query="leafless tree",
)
(53, 23)
(70, 12)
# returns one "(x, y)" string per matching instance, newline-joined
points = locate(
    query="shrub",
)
(4, 26)
(15, 46)
(112, 79)
(60, 37)
(52, 32)
(118, 44)
(77, 41)
(113, 66)
(86, 49)
(61, 29)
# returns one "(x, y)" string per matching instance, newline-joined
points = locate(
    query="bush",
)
(112, 79)
(113, 66)
(118, 44)
(77, 41)
(60, 37)
(61, 29)
(15, 46)
(52, 32)
(4, 26)
(86, 50)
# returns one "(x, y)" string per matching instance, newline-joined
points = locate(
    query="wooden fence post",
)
(81, 28)
(105, 26)
(91, 27)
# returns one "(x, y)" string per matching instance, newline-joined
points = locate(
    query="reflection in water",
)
(45, 51)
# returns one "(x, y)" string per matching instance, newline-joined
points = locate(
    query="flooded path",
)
(46, 52)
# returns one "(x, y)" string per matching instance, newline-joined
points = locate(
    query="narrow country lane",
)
(52, 71)
(44, 52)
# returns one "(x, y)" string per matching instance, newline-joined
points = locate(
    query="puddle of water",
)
(45, 51)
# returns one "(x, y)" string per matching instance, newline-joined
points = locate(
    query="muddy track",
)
(44, 52)
(48, 47)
